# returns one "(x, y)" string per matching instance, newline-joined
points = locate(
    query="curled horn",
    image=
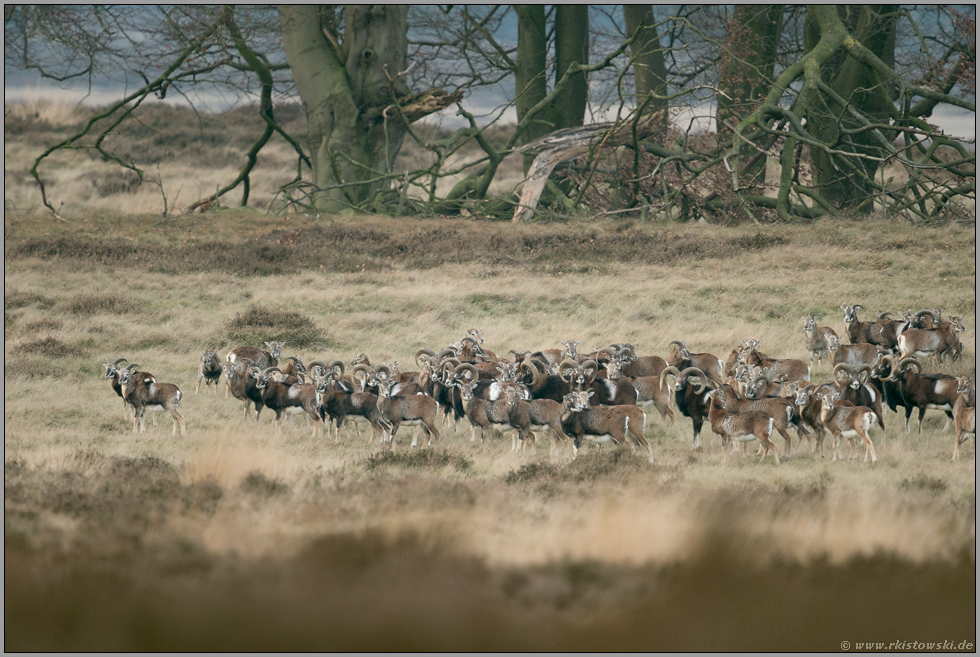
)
(679, 344)
(568, 363)
(318, 364)
(468, 367)
(866, 370)
(360, 367)
(539, 365)
(625, 355)
(842, 367)
(701, 377)
(595, 370)
(886, 357)
(451, 364)
(609, 351)
(477, 349)
(242, 362)
(133, 367)
(535, 374)
(918, 316)
(428, 353)
(337, 364)
(448, 352)
(117, 361)
(672, 371)
(382, 369)
(883, 358)
(910, 362)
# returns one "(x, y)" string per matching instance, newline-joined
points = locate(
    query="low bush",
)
(94, 304)
(420, 458)
(259, 324)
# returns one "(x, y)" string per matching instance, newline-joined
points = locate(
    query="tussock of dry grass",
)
(258, 324)
(237, 538)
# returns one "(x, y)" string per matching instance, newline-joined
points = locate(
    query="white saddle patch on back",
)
(610, 388)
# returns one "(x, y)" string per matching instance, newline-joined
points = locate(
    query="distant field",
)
(234, 538)
(185, 156)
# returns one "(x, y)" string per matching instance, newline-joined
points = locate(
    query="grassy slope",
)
(113, 541)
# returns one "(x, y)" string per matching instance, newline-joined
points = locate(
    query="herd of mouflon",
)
(603, 396)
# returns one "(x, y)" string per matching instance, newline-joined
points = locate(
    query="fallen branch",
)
(565, 144)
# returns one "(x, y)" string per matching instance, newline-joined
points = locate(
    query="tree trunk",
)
(530, 76)
(861, 87)
(649, 67)
(747, 66)
(345, 89)
(571, 47)
(746, 75)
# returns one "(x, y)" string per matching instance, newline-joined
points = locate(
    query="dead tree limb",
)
(565, 144)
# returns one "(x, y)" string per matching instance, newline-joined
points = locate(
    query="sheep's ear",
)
(591, 392)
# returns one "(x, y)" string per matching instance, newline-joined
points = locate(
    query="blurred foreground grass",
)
(234, 538)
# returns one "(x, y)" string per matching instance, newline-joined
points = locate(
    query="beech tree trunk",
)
(649, 66)
(746, 74)
(345, 88)
(530, 79)
(567, 109)
(571, 47)
(860, 86)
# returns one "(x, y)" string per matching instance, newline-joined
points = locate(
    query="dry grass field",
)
(234, 538)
